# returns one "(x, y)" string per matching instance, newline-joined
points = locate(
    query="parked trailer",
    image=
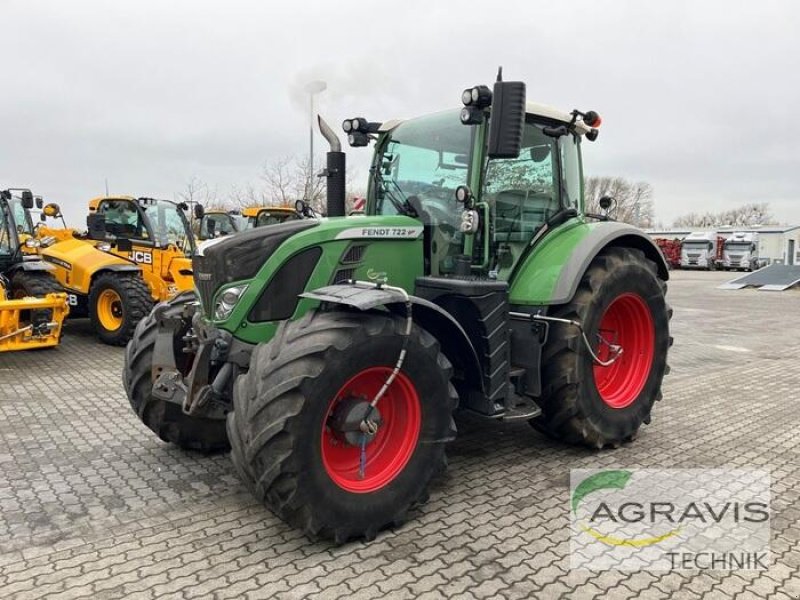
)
(671, 249)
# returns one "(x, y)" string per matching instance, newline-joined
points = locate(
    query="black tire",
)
(281, 407)
(135, 304)
(34, 283)
(573, 409)
(166, 419)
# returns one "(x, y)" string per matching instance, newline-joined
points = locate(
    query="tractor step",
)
(521, 409)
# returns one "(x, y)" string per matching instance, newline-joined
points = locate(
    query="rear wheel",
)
(117, 302)
(620, 302)
(167, 419)
(295, 430)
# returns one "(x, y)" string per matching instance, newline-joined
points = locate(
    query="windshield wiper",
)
(402, 206)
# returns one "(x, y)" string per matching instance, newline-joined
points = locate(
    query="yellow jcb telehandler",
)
(137, 251)
(32, 303)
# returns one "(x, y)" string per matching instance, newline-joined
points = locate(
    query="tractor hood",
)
(233, 258)
(259, 253)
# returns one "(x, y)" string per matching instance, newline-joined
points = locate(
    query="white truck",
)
(741, 252)
(699, 250)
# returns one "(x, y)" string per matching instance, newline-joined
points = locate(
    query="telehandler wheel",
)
(35, 284)
(117, 302)
(167, 419)
(620, 301)
(295, 426)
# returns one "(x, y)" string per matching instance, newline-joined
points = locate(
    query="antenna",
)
(107, 186)
(500, 73)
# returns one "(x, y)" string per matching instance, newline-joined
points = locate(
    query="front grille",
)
(206, 282)
(354, 254)
(343, 276)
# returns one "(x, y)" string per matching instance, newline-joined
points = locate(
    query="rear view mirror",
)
(199, 211)
(96, 224)
(507, 119)
(27, 199)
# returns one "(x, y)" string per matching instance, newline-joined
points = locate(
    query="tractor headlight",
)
(32, 243)
(104, 246)
(227, 301)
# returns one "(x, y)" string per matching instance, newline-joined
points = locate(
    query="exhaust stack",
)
(334, 171)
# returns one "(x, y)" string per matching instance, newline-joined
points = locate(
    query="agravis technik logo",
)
(670, 519)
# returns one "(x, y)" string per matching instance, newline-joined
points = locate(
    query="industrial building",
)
(776, 243)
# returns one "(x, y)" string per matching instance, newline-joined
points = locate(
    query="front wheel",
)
(621, 303)
(167, 419)
(295, 430)
(117, 302)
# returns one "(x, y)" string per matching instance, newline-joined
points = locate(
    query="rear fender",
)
(551, 272)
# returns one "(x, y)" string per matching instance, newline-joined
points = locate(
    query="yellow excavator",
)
(33, 305)
(137, 251)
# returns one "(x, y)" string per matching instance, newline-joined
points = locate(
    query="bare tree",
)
(281, 182)
(198, 192)
(633, 200)
(747, 215)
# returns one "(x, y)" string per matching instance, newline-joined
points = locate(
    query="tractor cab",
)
(420, 164)
(216, 223)
(258, 216)
(16, 226)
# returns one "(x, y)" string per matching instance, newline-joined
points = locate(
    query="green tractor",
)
(332, 354)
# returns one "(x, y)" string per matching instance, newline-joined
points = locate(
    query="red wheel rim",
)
(628, 323)
(390, 451)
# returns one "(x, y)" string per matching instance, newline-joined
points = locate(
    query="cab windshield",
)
(169, 225)
(420, 166)
(739, 245)
(702, 245)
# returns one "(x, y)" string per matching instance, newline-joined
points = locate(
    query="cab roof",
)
(252, 211)
(531, 108)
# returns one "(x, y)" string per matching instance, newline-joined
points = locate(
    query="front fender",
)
(77, 261)
(31, 265)
(551, 272)
(454, 341)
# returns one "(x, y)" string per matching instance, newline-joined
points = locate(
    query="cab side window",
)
(524, 191)
(5, 236)
(123, 219)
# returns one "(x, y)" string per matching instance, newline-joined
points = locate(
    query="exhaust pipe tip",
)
(329, 135)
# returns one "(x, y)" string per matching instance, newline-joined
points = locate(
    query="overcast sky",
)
(701, 99)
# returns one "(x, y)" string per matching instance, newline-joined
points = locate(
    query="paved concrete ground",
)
(93, 505)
